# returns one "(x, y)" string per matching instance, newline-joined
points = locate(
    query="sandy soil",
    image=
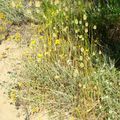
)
(10, 62)
(10, 58)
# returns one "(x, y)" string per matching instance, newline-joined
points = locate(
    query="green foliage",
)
(107, 19)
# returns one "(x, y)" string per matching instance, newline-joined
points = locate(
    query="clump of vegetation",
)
(66, 93)
(66, 68)
(106, 16)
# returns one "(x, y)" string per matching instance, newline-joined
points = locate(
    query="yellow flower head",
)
(57, 42)
(19, 4)
(40, 55)
(13, 95)
(20, 84)
(33, 42)
(17, 36)
(35, 110)
(2, 15)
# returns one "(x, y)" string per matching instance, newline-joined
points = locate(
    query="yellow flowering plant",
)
(61, 61)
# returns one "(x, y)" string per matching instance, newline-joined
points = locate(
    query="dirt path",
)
(10, 59)
(10, 63)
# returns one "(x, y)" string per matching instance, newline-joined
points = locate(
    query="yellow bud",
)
(80, 36)
(86, 30)
(83, 39)
(82, 65)
(84, 17)
(80, 85)
(86, 24)
(82, 49)
(80, 22)
(100, 52)
(93, 53)
(76, 21)
(94, 27)
(81, 58)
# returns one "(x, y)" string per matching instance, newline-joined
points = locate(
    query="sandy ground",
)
(10, 62)
(10, 58)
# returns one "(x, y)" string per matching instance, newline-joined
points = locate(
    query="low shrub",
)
(66, 93)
